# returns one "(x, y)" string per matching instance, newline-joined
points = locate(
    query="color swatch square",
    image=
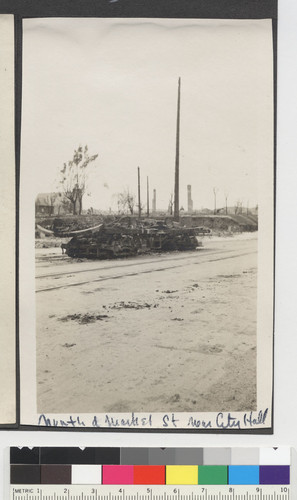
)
(55, 474)
(162, 456)
(274, 474)
(24, 455)
(243, 474)
(132, 456)
(213, 474)
(86, 474)
(217, 456)
(189, 456)
(275, 456)
(25, 474)
(149, 474)
(245, 456)
(117, 474)
(181, 474)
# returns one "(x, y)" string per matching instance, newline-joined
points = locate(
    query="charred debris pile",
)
(126, 237)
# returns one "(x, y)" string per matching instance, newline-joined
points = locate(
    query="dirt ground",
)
(159, 333)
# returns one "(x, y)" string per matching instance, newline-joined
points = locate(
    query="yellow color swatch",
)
(181, 474)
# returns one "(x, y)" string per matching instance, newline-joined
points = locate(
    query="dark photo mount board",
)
(119, 9)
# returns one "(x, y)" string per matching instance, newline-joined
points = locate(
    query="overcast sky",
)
(112, 84)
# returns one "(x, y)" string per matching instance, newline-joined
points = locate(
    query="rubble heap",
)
(130, 238)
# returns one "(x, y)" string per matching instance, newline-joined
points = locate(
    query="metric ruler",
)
(151, 474)
(93, 492)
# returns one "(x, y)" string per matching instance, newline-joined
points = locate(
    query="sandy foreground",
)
(169, 332)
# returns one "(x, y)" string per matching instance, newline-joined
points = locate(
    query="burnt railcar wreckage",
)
(122, 239)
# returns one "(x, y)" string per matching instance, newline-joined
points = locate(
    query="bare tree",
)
(130, 202)
(51, 198)
(170, 204)
(238, 207)
(122, 203)
(126, 202)
(64, 206)
(73, 177)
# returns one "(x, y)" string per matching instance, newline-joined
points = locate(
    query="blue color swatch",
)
(243, 474)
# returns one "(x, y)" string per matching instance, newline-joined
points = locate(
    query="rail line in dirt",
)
(117, 263)
(142, 271)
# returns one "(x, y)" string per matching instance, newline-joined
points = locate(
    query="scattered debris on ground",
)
(229, 276)
(84, 319)
(175, 398)
(132, 305)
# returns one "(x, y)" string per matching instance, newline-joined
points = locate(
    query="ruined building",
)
(190, 201)
(154, 203)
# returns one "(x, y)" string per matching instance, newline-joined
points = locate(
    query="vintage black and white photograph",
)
(147, 216)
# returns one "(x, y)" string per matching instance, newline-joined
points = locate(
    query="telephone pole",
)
(147, 197)
(176, 181)
(215, 200)
(139, 203)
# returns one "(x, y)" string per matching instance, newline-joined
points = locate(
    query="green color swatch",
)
(213, 474)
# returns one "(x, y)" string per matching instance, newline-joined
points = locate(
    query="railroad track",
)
(123, 270)
(118, 263)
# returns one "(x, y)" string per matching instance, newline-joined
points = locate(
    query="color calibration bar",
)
(150, 466)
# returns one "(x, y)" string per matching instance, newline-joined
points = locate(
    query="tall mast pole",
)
(176, 181)
(139, 204)
(147, 197)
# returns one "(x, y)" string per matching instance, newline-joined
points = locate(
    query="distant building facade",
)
(47, 204)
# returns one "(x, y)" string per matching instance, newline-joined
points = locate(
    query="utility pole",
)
(139, 203)
(226, 203)
(215, 200)
(147, 197)
(170, 204)
(176, 181)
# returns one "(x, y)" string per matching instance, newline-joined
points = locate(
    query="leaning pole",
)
(176, 180)
(139, 202)
(147, 197)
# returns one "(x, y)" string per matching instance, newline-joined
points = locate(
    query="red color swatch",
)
(149, 474)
